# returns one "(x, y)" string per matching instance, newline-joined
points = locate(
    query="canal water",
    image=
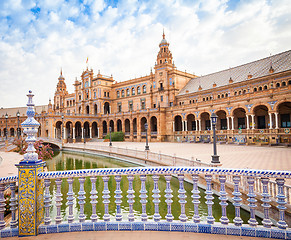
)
(75, 161)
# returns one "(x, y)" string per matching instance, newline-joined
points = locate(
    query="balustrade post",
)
(47, 202)
(13, 206)
(266, 200)
(281, 203)
(223, 199)
(156, 197)
(118, 198)
(2, 206)
(59, 199)
(209, 197)
(196, 218)
(130, 197)
(182, 198)
(81, 198)
(93, 198)
(237, 201)
(30, 188)
(252, 202)
(106, 197)
(169, 197)
(143, 198)
(70, 200)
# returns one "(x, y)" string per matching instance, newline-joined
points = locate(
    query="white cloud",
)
(205, 36)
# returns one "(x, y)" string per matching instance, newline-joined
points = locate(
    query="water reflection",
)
(74, 161)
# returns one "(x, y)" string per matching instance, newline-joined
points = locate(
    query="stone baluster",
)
(118, 198)
(130, 196)
(81, 198)
(70, 200)
(169, 197)
(47, 202)
(281, 203)
(13, 206)
(210, 219)
(223, 200)
(252, 202)
(2, 206)
(93, 198)
(143, 198)
(106, 197)
(59, 199)
(237, 201)
(196, 218)
(266, 200)
(182, 198)
(156, 197)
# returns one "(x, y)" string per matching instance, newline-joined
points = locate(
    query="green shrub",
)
(115, 136)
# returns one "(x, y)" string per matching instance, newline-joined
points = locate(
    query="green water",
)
(74, 161)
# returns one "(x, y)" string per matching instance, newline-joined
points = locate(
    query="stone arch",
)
(86, 129)
(127, 125)
(12, 132)
(94, 129)
(154, 123)
(111, 124)
(106, 108)
(78, 130)
(58, 133)
(260, 104)
(119, 125)
(191, 123)
(104, 127)
(243, 107)
(143, 121)
(178, 123)
(261, 116)
(222, 120)
(284, 114)
(239, 115)
(69, 129)
(205, 121)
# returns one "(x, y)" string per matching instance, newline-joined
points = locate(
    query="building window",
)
(218, 96)
(283, 84)
(155, 105)
(133, 91)
(95, 94)
(107, 94)
(118, 94)
(277, 84)
(130, 106)
(138, 90)
(255, 89)
(122, 93)
(144, 89)
(285, 121)
(265, 87)
(162, 98)
(80, 97)
(119, 107)
(260, 88)
(142, 103)
(104, 94)
(154, 84)
(127, 92)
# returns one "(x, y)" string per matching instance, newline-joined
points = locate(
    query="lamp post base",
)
(147, 148)
(215, 160)
(110, 144)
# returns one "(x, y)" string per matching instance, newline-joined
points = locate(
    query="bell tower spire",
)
(60, 93)
(164, 56)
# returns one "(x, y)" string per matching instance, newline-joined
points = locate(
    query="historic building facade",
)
(252, 101)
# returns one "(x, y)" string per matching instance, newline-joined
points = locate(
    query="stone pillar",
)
(276, 120)
(253, 121)
(232, 123)
(174, 126)
(248, 123)
(186, 125)
(82, 130)
(30, 190)
(74, 136)
(211, 127)
(90, 132)
(200, 128)
(65, 135)
(183, 126)
(197, 125)
(270, 121)
(227, 121)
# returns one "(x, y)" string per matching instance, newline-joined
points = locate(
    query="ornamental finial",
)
(30, 128)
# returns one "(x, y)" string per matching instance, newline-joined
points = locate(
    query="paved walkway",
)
(234, 156)
(125, 235)
(7, 164)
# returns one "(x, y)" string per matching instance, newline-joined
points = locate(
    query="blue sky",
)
(38, 38)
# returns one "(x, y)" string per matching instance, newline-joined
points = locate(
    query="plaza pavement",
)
(231, 155)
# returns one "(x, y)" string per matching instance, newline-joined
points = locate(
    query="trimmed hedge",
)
(115, 136)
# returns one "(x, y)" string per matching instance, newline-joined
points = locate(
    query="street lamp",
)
(110, 143)
(147, 144)
(18, 114)
(6, 118)
(215, 157)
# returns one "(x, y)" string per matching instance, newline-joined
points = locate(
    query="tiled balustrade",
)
(142, 223)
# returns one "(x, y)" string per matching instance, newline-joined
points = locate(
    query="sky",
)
(39, 38)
